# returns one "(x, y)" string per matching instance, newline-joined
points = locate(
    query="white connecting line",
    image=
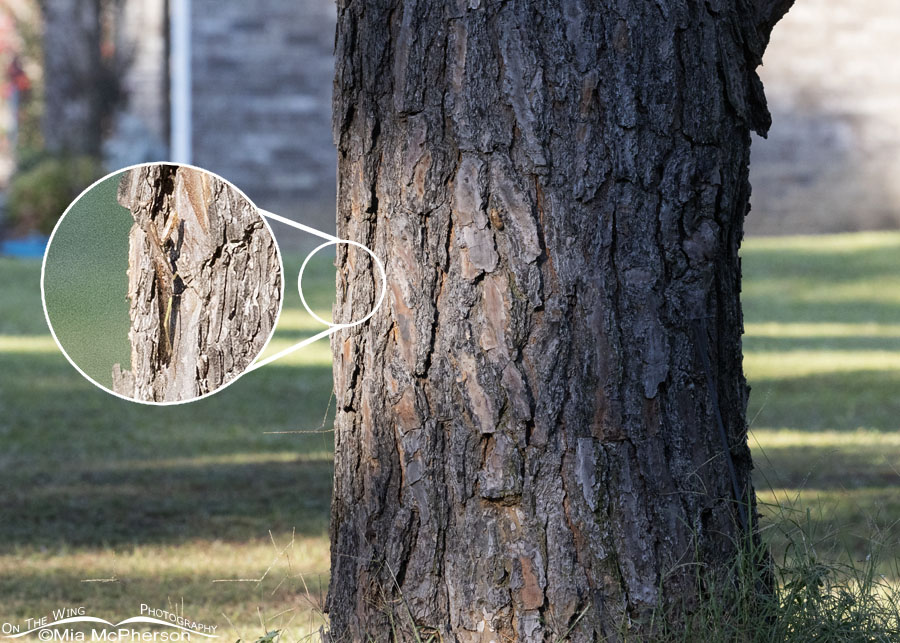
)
(332, 328)
(299, 226)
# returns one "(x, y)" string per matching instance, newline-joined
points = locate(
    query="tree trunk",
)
(204, 283)
(73, 96)
(528, 439)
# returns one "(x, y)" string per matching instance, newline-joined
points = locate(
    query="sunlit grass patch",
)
(844, 440)
(766, 365)
(210, 581)
(295, 319)
(27, 344)
(829, 245)
(822, 355)
(316, 353)
(274, 457)
(807, 330)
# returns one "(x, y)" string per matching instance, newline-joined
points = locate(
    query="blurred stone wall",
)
(262, 79)
(832, 158)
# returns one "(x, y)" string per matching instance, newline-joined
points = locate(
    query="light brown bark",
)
(526, 440)
(204, 283)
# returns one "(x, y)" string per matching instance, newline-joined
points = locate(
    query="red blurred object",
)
(17, 77)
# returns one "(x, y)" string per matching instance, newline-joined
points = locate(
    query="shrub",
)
(43, 189)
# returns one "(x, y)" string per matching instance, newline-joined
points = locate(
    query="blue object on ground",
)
(31, 247)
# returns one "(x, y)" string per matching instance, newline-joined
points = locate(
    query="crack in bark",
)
(200, 314)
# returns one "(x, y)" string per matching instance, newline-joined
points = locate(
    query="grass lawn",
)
(110, 504)
(822, 353)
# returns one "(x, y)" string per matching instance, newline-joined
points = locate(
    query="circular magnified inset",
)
(375, 260)
(162, 283)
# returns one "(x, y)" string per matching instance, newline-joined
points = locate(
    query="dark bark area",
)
(525, 431)
(204, 283)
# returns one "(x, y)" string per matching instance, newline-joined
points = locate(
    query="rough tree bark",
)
(204, 283)
(526, 431)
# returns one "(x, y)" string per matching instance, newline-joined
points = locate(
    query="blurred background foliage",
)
(43, 187)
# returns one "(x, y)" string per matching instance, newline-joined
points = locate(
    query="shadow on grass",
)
(827, 343)
(787, 308)
(830, 468)
(51, 415)
(144, 504)
(822, 259)
(831, 401)
(81, 467)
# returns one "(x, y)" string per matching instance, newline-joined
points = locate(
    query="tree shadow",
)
(81, 467)
(841, 401)
(822, 343)
(146, 503)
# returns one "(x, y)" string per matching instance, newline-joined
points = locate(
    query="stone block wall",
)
(262, 82)
(832, 158)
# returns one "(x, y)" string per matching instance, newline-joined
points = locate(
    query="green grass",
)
(813, 596)
(86, 282)
(822, 354)
(167, 500)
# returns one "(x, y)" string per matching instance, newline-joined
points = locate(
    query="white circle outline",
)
(380, 297)
(225, 385)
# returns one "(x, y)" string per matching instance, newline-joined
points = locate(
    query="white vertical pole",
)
(180, 75)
